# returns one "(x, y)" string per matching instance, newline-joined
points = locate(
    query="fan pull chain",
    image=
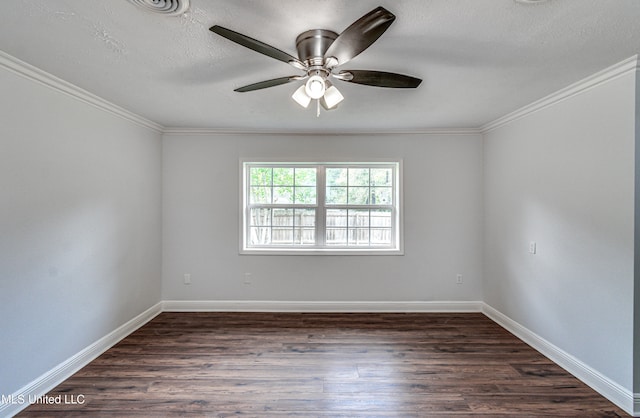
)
(318, 108)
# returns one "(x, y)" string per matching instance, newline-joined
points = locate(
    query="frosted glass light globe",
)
(315, 87)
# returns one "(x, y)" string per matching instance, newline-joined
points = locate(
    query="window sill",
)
(321, 251)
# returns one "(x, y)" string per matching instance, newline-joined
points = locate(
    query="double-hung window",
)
(319, 208)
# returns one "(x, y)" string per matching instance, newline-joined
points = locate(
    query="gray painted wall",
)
(80, 222)
(442, 218)
(564, 177)
(83, 192)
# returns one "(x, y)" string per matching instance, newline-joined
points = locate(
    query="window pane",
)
(336, 236)
(381, 177)
(380, 236)
(259, 236)
(336, 176)
(358, 177)
(282, 217)
(359, 236)
(305, 236)
(305, 177)
(283, 176)
(305, 195)
(283, 195)
(336, 196)
(260, 194)
(260, 217)
(260, 176)
(280, 236)
(381, 196)
(380, 218)
(304, 217)
(336, 217)
(359, 218)
(358, 195)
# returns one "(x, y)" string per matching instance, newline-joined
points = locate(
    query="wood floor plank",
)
(323, 365)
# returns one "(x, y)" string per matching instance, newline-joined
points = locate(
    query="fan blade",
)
(379, 79)
(256, 45)
(360, 35)
(268, 83)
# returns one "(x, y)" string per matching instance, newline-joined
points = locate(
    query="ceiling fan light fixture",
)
(315, 87)
(320, 51)
(301, 97)
(332, 97)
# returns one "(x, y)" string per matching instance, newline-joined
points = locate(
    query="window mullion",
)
(320, 208)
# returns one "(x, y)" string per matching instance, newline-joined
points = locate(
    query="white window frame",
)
(397, 247)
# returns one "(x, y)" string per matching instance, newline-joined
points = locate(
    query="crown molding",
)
(30, 72)
(620, 69)
(39, 76)
(216, 131)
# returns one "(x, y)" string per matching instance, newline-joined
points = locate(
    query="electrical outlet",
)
(187, 278)
(532, 247)
(459, 279)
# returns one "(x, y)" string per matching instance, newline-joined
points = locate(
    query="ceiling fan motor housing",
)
(312, 45)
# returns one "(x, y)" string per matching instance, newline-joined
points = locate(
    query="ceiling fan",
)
(320, 52)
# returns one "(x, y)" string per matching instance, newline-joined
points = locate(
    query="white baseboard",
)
(64, 370)
(620, 396)
(611, 390)
(318, 306)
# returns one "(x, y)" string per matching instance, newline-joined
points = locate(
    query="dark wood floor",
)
(315, 365)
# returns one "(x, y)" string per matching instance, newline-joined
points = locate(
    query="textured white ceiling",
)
(479, 59)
